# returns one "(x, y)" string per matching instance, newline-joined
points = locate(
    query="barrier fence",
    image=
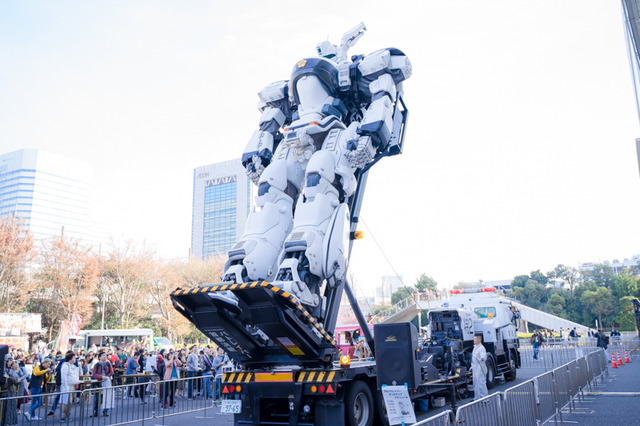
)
(142, 401)
(533, 402)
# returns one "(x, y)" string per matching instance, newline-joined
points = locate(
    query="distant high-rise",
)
(51, 193)
(222, 195)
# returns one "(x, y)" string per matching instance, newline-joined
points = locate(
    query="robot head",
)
(326, 49)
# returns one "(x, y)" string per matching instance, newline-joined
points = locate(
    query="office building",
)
(390, 284)
(222, 200)
(51, 193)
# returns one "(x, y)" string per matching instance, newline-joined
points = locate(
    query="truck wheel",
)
(359, 405)
(381, 419)
(513, 369)
(491, 373)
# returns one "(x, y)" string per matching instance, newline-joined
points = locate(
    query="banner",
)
(20, 324)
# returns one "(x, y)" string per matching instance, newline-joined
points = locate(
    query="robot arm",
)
(276, 111)
(377, 124)
(385, 70)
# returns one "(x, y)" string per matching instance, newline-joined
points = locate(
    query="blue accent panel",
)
(270, 126)
(331, 110)
(377, 131)
(263, 188)
(246, 157)
(295, 116)
(265, 156)
(381, 95)
(340, 106)
(313, 179)
(324, 69)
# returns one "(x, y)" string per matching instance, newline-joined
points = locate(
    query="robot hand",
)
(360, 152)
(257, 163)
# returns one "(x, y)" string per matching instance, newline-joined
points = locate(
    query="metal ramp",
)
(409, 308)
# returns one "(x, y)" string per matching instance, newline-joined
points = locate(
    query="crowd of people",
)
(29, 375)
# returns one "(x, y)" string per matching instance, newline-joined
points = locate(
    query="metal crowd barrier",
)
(486, 411)
(445, 418)
(145, 400)
(520, 404)
(533, 402)
(549, 358)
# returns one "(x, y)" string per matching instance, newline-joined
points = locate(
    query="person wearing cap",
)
(38, 378)
(479, 368)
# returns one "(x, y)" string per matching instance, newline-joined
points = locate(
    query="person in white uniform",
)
(479, 368)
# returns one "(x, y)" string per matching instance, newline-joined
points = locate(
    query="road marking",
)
(613, 393)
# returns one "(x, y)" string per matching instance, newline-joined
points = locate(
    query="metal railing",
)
(534, 401)
(445, 418)
(550, 357)
(145, 400)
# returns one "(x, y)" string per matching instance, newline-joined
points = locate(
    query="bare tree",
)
(16, 251)
(68, 275)
(196, 272)
(123, 281)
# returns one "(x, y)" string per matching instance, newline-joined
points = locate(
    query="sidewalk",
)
(616, 400)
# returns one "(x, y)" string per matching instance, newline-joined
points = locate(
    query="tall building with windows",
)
(51, 193)
(222, 199)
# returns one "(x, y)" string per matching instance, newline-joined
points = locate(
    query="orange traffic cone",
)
(620, 358)
(626, 356)
(613, 360)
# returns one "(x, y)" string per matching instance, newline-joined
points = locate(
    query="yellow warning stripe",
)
(276, 290)
(315, 376)
(241, 377)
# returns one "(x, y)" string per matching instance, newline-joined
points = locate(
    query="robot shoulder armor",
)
(274, 92)
(375, 62)
(389, 60)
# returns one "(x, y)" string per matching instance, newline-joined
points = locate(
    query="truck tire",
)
(381, 419)
(491, 373)
(513, 368)
(359, 405)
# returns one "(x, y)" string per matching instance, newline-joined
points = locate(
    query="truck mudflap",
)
(256, 323)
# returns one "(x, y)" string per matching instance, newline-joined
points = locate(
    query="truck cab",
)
(453, 325)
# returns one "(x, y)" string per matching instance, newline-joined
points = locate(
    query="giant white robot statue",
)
(316, 130)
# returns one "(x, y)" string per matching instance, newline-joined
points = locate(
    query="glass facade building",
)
(51, 193)
(222, 196)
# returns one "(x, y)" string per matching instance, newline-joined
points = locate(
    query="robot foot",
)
(235, 273)
(300, 291)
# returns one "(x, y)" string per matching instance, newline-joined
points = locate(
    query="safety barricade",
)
(139, 401)
(583, 377)
(445, 418)
(519, 404)
(546, 395)
(563, 387)
(486, 411)
(572, 381)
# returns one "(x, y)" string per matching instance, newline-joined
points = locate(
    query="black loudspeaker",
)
(4, 350)
(396, 361)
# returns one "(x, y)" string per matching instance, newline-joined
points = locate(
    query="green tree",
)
(519, 281)
(401, 294)
(539, 277)
(598, 302)
(534, 293)
(602, 275)
(568, 274)
(555, 304)
(425, 282)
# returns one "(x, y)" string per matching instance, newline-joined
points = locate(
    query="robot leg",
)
(316, 248)
(255, 255)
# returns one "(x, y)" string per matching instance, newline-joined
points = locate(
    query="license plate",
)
(231, 406)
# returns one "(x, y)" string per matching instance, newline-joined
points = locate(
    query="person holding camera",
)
(38, 378)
